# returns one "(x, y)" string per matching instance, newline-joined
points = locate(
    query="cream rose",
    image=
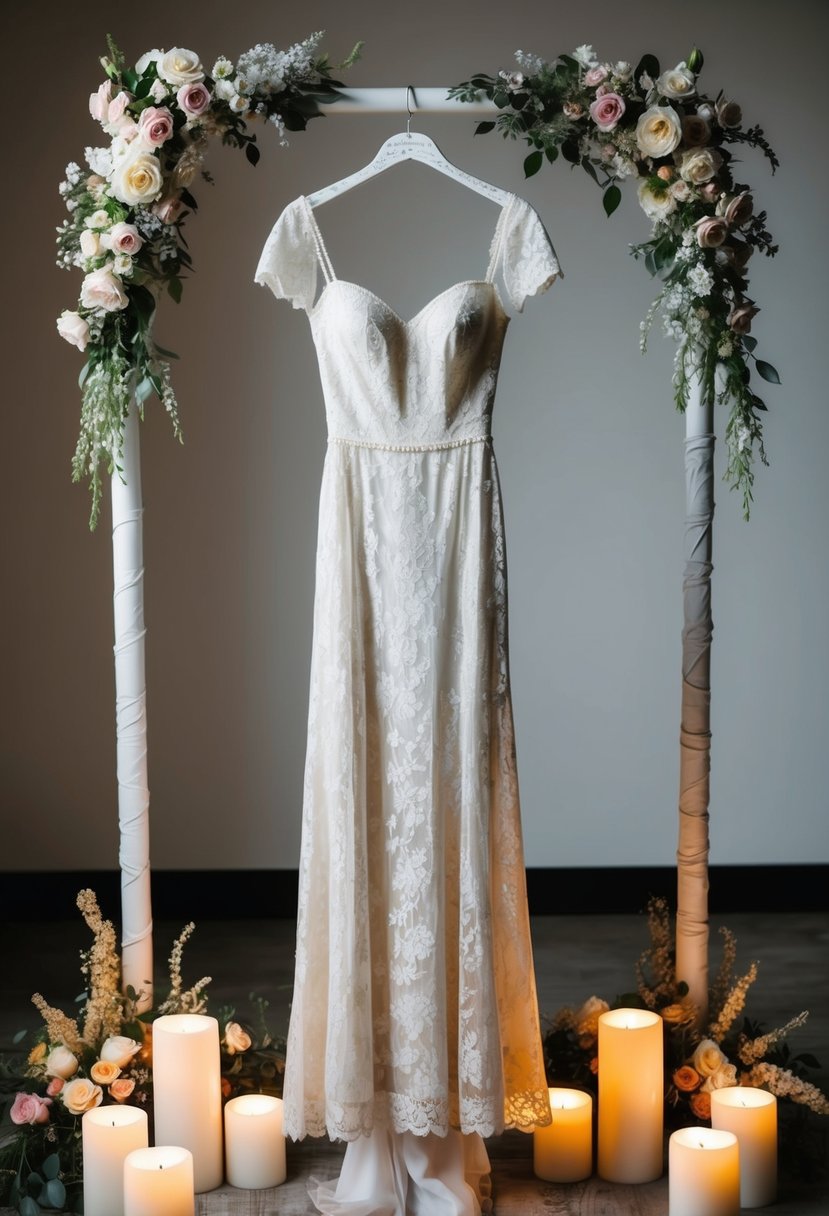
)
(118, 1049)
(741, 316)
(658, 131)
(723, 1078)
(146, 59)
(677, 83)
(101, 289)
(61, 1062)
(90, 243)
(81, 1095)
(236, 1039)
(680, 190)
(104, 1072)
(656, 204)
(710, 233)
(73, 328)
(708, 1058)
(699, 165)
(736, 208)
(729, 113)
(137, 178)
(169, 209)
(179, 66)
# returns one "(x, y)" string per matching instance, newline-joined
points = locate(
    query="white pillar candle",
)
(187, 1091)
(109, 1133)
(751, 1114)
(703, 1173)
(630, 1095)
(563, 1152)
(254, 1142)
(159, 1182)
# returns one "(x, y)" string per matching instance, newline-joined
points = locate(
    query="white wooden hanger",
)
(409, 146)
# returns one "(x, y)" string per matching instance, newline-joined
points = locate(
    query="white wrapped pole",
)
(695, 727)
(131, 719)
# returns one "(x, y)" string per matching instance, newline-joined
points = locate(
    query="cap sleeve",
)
(288, 264)
(524, 254)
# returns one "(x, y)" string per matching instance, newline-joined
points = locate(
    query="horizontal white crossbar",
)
(393, 101)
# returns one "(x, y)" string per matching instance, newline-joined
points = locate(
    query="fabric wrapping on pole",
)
(695, 733)
(131, 719)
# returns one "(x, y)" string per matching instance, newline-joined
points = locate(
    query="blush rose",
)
(29, 1108)
(607, 110)
(155, 126)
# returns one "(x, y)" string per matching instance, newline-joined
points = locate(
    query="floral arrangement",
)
(729, 1050)
(660, 130)
(102, 1057)
(128, 207)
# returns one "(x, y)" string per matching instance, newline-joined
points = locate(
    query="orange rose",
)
(227, 1088)
(701, 1105)
(594, 1066)
(121, 1089)
(676, 1014)
(686, 1078)
(104, 1072)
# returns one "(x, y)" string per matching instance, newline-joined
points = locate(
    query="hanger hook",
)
(409, 93)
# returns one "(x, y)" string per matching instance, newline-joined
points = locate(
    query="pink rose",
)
(739, 209)
(741, 316)
(595, 76)
(125, 238)
(121, 1089)
(29, 1108)
(99, 102)
(55, 1086)
(711, 231)
(168, 209)
(736, 254)
(101, 289)
(710, 192)
(193, 98)
(116, 108)
(607, 110)
(155, 126)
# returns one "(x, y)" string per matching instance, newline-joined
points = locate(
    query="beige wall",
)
(589, 447)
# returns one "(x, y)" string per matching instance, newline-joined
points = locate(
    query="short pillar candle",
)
(109, 1133)
(563, 1152)
(630, 1095)
(751, 1114)
(703, 1173)
(187, 1091)
(254, 1142)
(159, 1182)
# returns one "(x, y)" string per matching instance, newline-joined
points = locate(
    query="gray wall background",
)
(590, 452)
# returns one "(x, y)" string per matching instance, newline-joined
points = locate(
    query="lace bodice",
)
(426, 381)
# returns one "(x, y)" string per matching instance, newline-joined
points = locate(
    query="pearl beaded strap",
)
(409, 447)
(319, 244)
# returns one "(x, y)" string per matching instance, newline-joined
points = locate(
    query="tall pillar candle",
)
(187, 1091)
(159, 1182)
(703, 1173)
(563, 1152)
(630, 1095)
(109, 1133)
(254, 1142)
(751, 1114)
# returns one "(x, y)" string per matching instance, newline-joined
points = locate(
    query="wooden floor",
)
(576, 956)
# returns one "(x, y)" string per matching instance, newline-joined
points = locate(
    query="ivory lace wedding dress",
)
(414, 1006)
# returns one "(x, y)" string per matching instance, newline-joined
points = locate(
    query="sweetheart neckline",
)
(411, 321)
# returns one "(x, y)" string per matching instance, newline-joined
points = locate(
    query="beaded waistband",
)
(438, 446)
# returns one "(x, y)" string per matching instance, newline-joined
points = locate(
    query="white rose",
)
(658, 131)
(699, 165)
(723, 1078)
(239, 104)
(179, 66)
(90, 243)
(73, 328)
(708, 1058)
(656, 204)
(136, 178)
(118, 1049)
(146, 59)
(98, 219)
(61, 1062)
(101, 289)
(677, 83)
(680, 190)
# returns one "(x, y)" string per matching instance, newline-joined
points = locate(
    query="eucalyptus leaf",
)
(19, 1037)
(51, 1166)
(533, 163)
(768, 372)
(748, 342)
(55, 1192)
(29, 1207)
(610, 201)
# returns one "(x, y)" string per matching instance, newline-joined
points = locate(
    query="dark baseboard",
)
(183, 895)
